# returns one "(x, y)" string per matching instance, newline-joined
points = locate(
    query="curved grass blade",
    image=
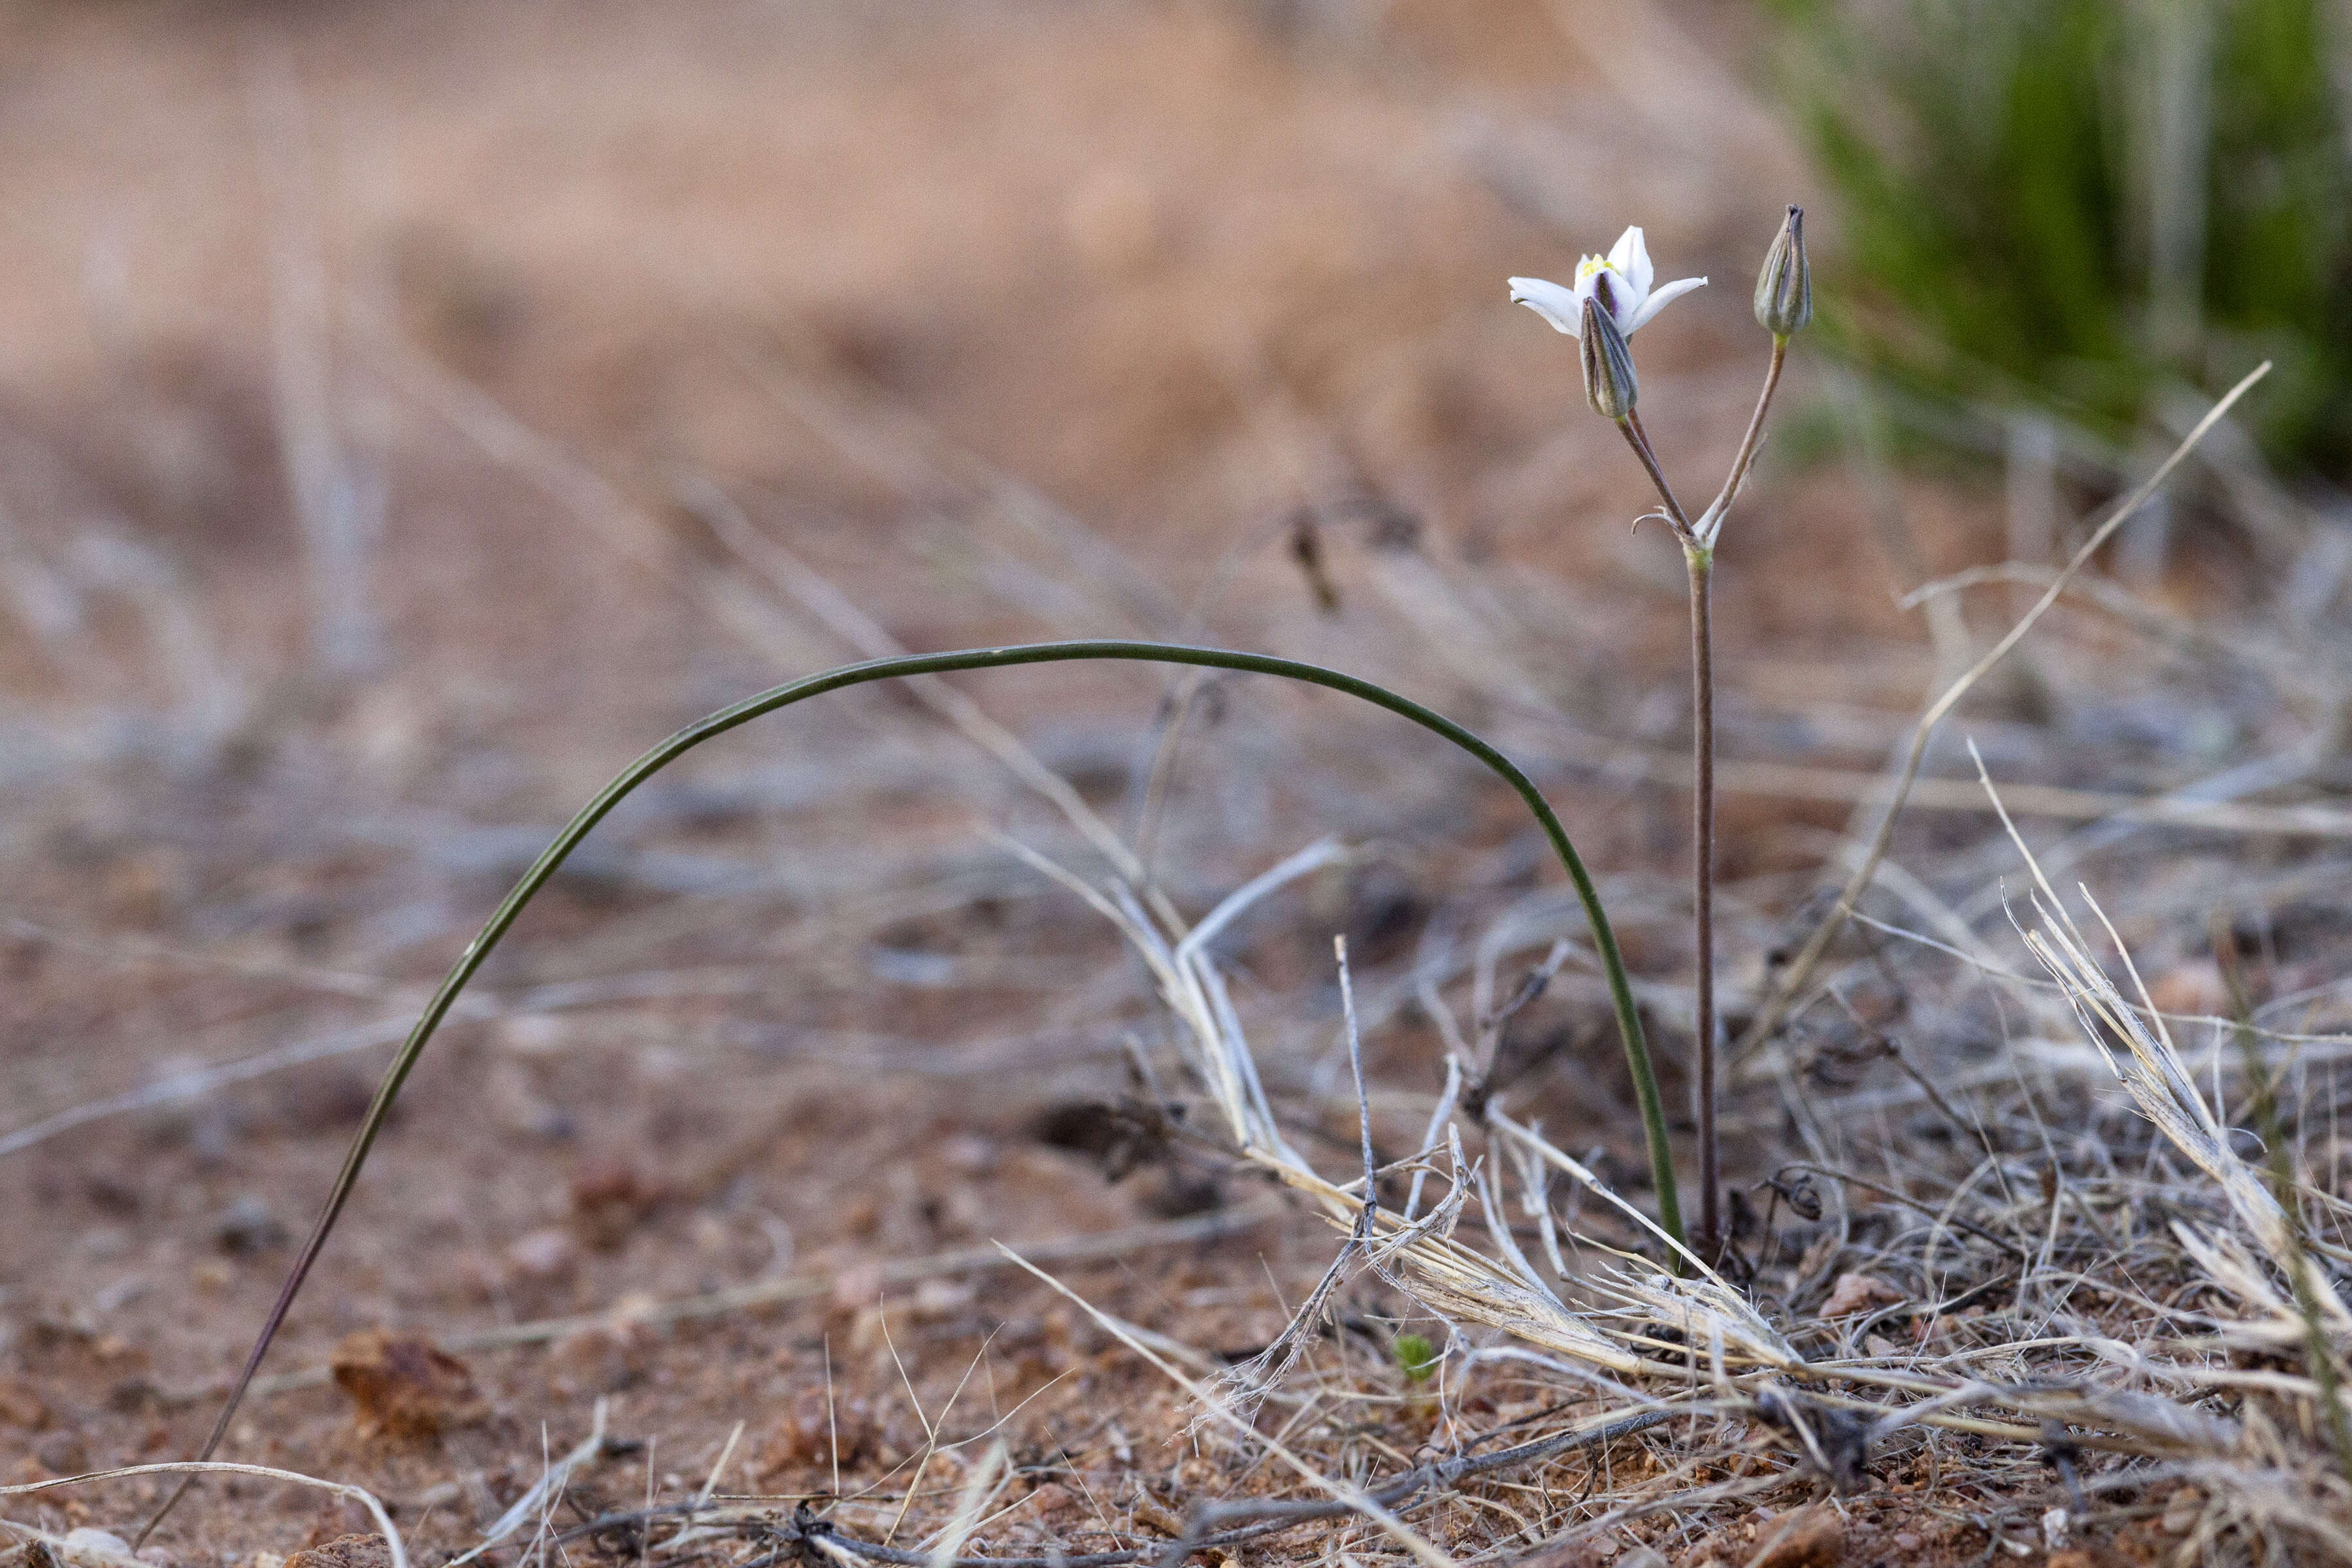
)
(1628, 1022)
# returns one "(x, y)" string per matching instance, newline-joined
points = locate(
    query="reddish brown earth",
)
(1011, 320)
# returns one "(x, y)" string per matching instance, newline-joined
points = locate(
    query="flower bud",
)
(1609, 381)
(1784, 289)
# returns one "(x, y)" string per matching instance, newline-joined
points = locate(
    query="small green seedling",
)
(1416, 1357)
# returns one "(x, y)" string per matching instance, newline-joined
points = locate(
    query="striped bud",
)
(1609, 384)
(1784, 289)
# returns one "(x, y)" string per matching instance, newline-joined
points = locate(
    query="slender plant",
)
(469, 962)
(1610, 299)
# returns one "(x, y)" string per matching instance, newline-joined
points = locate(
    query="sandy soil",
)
(1007, 321)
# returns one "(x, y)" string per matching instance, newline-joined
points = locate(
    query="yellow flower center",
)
(1590, 264)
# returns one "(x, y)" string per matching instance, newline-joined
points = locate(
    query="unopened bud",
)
(1784, 289)
(1609, 381)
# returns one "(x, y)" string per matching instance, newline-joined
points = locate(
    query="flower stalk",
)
(1612, 298)
(1699, 563)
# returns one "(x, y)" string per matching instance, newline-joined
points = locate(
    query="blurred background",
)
(409, 411)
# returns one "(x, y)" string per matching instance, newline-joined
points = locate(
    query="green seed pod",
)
(1784, 289)
(1609, 384)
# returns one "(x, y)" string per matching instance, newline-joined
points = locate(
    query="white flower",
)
(1619, 280)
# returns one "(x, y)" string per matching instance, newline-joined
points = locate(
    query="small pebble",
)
(63, 1453)
(943, 1298)
(91, 1540)
(22, 1405)
(1818, 1541)
(2055, 1529)
(248, 1225)
(404, 1386)
(857, 1287)
(543, 1254)
(1857, 1292)
(970, 1154)
(343, 1552)
(1905, 1541)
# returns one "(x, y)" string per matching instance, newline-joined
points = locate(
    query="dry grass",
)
(2018, 1234)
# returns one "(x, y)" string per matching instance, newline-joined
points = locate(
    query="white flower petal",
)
(1661, 298)
(1561, 307)
(1631, 256)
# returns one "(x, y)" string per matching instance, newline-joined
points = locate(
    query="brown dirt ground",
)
(919, 286)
